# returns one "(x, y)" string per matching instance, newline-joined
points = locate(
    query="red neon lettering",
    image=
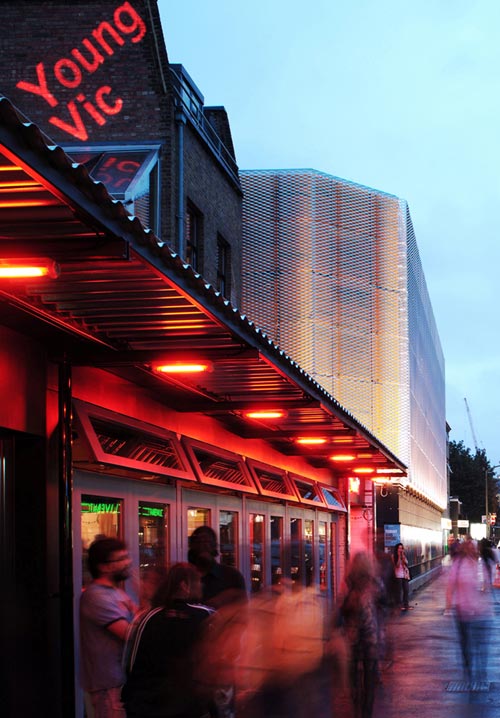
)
(78, 129)
(97, 58)
(41, 89)
(102, 105)
(98, 33)
(73, 68)
(89, 107)
(137, 21)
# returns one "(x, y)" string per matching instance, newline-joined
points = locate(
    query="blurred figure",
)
(488, 558)
(106, 613)
(469, 595)
(221, 584)
(402, 574)
(152, 578)
(222, 587)
(359, 617)
(161, 665)
(279, 670)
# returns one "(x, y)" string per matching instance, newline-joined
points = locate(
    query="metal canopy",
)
(124, 300)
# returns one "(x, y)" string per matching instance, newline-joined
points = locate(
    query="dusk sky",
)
(402, 97)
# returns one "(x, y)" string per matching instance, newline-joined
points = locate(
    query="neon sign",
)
(69, 73)
(90, 508)
(151, 511)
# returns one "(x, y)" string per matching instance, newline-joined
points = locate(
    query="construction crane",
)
(471, 426)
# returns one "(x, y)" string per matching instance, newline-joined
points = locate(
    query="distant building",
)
(331, 271)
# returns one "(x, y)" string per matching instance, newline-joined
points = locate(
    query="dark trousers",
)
(402, 591)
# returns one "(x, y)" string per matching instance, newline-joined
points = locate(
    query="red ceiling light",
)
(182, 368)
(28, 268)
(342, 457)
(265, 414)
(310, 440)
(364, 470)
(343, 440)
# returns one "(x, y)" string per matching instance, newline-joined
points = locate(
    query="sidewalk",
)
(425, 677)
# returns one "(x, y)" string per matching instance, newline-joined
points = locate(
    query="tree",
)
(468, 474)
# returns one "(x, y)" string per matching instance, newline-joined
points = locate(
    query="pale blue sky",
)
(397, 95)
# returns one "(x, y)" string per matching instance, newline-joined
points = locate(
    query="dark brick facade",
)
(98, 72)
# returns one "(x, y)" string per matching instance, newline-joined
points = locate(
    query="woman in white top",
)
(402, 574)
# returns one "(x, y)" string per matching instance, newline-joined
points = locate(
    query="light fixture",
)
(182, 368)
(265, 414)
(310, 440)
(343, 440)
(354, 484)
(389, 471)
(28, 268)
(364, 470)
(342, 457)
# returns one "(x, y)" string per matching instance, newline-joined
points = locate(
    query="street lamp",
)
(486, 496)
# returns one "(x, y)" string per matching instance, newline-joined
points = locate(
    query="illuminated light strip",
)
(26, 203)
(181, 368)
(19, 186)
(28, 268)
(342, 457)
(10, 168)
(311, 440)
(267, 414)
(344, 440)
(364, 470)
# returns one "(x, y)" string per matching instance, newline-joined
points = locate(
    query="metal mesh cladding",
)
(331, 272)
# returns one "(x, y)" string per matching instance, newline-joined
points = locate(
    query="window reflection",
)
(228, 537)
(308, 551)
(276, 550)
(256, 552)
(100, 518)
(295, 552)
(322, 557)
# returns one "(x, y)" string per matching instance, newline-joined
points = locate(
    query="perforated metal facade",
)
(331, 272)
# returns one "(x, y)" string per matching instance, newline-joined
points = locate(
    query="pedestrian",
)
(221, 584)
(161, 680)
(358, 616)
(469, 595)
(402, 574)
(223, 587)
(106, 612)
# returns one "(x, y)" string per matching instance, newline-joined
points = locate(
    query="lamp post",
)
(486, 496)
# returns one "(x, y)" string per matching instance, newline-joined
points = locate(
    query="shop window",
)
(322, 555)
(153, 547)
(296, 552)
(228, 537)
(277, 550)
(194, 237)
(196, 518)
(100, 517)
(309, 552)
(257, 544)
(223, 267)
